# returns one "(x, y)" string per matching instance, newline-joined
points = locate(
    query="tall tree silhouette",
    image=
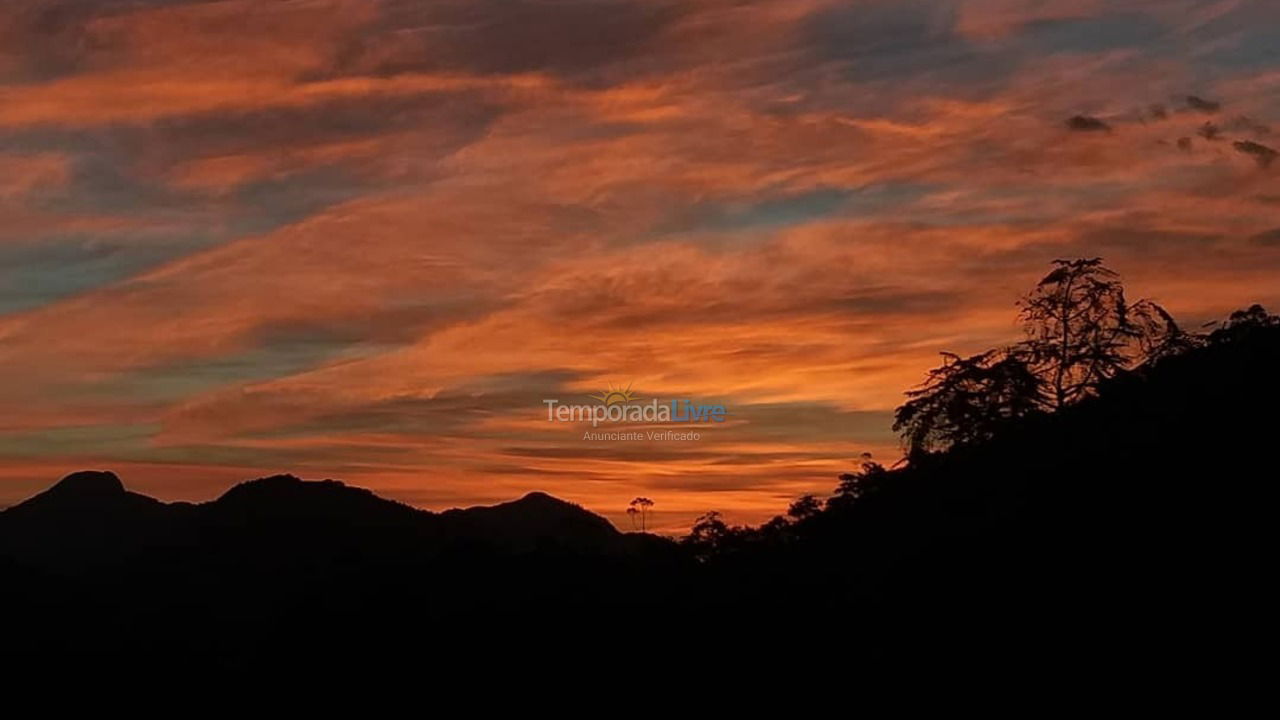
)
(1081, 330)
(642, 505)
(966, 399)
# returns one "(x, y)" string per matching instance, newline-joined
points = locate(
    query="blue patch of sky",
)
(45, 269)
(1246, 38)
(914, 45)
(1090, 35)
(273, 358)
(906, 43)
(115, 440)
(173, 222)
(781, 210)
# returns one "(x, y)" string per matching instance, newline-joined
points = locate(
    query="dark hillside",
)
(1139, 508)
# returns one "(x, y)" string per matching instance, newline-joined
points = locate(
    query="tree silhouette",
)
(1079, 327)
(642, 505)
(1242, 325)
(1081, 331)
(805, 507)
(857, 484)
(633, 512)
(965, 400)
(1159, 334)
(709, 536)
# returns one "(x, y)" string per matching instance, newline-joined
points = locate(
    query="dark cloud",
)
(900, 44)
(1136, 238)
(1237, 36)
(455, 118)
(1210, 131)
(117, 441)
(135, 443)
(448, 410)
(1270, 238)
(579, 39)
(278, 354)
(44, 40)
(41, 41)
(1087, 123)
(916, 43)
(1261, 154)
(882, 32)
(1244, 123)
(49, 268)
(1104, 32)
(128, 172)
(1201, 105)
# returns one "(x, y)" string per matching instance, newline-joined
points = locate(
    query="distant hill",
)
(281, 564)
(86, 517)
(90, 518)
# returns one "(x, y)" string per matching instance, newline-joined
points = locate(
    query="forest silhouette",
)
(1108, 476)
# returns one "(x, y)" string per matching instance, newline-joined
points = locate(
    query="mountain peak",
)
(540, 502)
(94, 483)
(534, 517)
(538, 496)
(288, 496)
(288, 488)
(85, 514)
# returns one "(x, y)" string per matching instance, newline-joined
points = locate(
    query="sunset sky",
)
(365, 239)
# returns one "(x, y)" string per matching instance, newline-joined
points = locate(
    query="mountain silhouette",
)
(81, 492)
(86, 517)
(89, 517)
(280, 562)
(533, 520)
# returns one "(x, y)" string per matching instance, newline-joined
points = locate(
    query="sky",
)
(366, 239)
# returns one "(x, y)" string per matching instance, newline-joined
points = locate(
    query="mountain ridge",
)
(90, 517)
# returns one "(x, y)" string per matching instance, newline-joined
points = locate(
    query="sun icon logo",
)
(615, 395)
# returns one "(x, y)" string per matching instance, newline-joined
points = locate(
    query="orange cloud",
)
(375, 234)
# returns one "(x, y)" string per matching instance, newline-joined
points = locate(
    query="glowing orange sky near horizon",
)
(364, 239)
